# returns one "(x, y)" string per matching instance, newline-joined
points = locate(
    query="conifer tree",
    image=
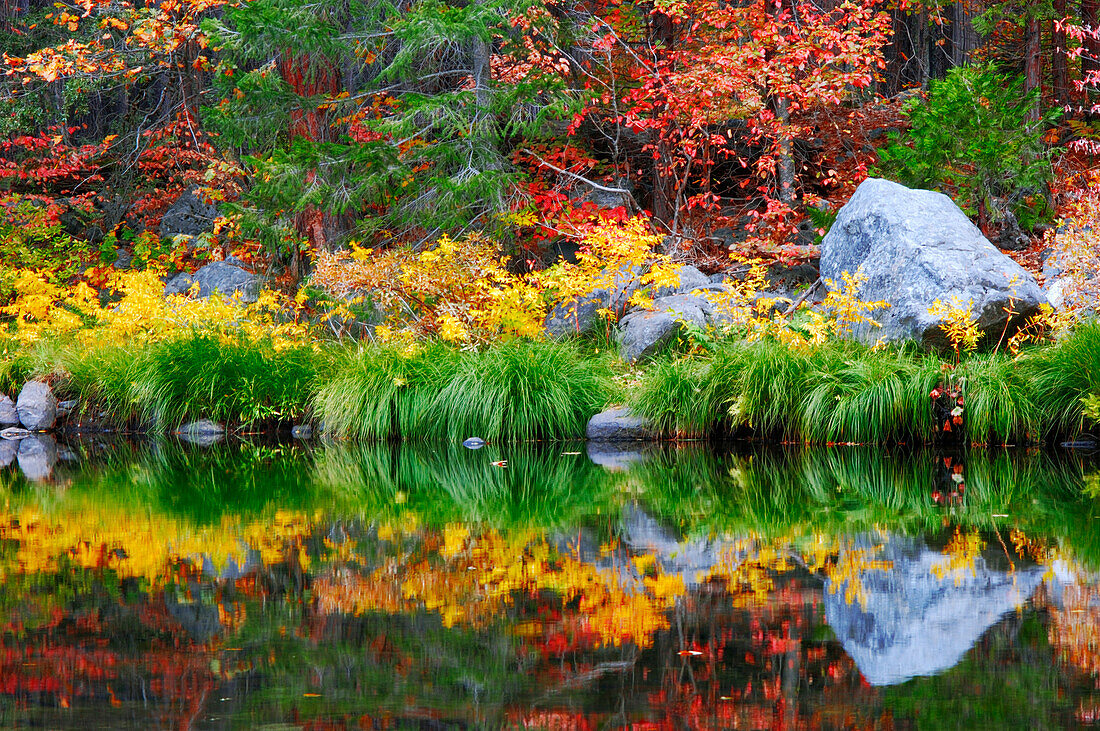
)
(385, 118)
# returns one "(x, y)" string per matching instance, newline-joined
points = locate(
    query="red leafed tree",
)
(720, 80)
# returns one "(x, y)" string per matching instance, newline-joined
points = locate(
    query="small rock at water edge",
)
(619, 424)
(37, 455)
(36, 406)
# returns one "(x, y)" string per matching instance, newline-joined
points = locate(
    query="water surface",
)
(164, 585)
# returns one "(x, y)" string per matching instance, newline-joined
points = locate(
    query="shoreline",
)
(524, 390)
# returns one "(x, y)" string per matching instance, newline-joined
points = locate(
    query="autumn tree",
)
(727, 83)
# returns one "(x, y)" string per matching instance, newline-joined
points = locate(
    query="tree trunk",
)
(1090, 56)
(964, 38)
(1059, 72)
(780, 105)
(785, 165)
(664, 187)
(309, 77)
(1032, 63)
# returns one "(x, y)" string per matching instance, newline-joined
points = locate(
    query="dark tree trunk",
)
(1090, 56)
(662, 37)
(1032, 62)
(1059, 71)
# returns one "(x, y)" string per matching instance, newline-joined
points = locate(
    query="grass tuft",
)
(520, 390)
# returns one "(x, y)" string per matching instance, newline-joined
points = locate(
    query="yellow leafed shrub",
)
(142, 311)
(463, 291)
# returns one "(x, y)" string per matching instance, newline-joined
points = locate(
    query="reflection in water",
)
(380, 587)
(918, 610)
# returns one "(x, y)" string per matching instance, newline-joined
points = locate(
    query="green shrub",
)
(971, 137)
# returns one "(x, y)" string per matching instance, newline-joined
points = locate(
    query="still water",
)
(164, 585)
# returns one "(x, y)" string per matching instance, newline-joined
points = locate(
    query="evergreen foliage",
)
(973, 138)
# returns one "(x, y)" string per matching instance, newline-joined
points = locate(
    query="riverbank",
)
(522, 390)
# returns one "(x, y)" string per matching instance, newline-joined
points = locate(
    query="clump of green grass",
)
(522, 390)
(1000, 400)
(385, 393)
(759, 384)
(519, 390)
(240, 380)
(105, 376)
(846, 392)
(18, 363)
(1062, 374)
(670, 396)
(862, 399)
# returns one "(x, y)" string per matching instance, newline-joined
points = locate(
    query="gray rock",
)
(199, 620)
(727, 237)
(1052, 267)
(190, 215)
(688, 308)
(608, 199)
(714, 287)
(578, 316)
(689, 559)
(787, 280)
(8, 415)
(301, 431)
(202, 432)
(64, 408)
(689, 278)
(581, 315)
(37, 455)
(916, 246)
(124, 258)
(644, 334)
(619, 424)
(36, 406)
(217, 277)
(914, 617)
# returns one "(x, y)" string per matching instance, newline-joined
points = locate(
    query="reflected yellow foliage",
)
(960, 553)
(472, 581)
(1075, 627)
(748, 567)
(96, 536)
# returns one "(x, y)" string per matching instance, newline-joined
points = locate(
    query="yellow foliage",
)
(848, 570)
(958, 323)
(463, 291)
(1075, 242)
(758, 317)
(143, 311)
(460, 290)
(845, 308)
(612, 257)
